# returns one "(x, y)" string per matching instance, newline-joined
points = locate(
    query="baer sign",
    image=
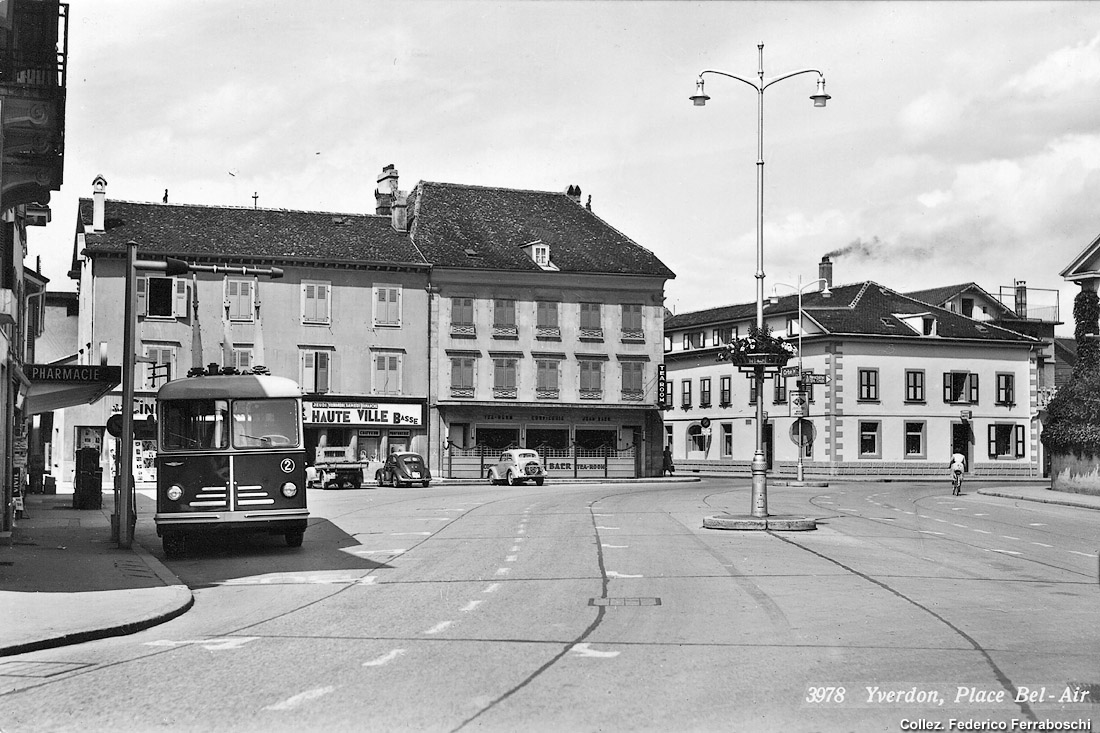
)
(363, 413)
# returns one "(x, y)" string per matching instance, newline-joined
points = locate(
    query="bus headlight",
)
(175, 491)
(289, 489)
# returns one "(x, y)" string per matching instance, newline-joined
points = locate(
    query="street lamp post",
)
(759, 465)
(799, 289)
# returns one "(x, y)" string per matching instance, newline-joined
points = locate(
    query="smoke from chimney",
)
(874, 249)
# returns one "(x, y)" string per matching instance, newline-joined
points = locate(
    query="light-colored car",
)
(516, 466)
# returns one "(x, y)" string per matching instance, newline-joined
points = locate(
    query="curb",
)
(1037, 499)
(773, 522)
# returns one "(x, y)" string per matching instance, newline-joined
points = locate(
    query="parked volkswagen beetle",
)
(403, 469)
(515, 466)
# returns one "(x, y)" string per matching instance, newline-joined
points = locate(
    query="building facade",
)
(546, 332)
(346, 319)
(452, 322)
(890, 386)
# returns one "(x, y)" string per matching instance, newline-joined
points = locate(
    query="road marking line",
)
(981, 515)
(292, 702)
(1040, 544)
(940, 520)
(1009, 538)
(492, 588)
(515, 548)
(503, 571)
(928, 531)
(1086, 554)
(521, 531)
(983, 531)
(614, 547)
(614, 574)
(961, 526)
(360, 551)
(385, 658)
(586, 650)
(606, 527)
(1037, 524)
(441, 626)
(214, 645)
(519, 539)
(1006, 552)
(471, 606)
(510, 558)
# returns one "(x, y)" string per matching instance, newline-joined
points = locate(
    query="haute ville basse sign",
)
(363, 413)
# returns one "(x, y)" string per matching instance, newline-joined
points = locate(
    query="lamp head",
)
(826, 293)
(773, 298)
(700, 97)
(820, 98)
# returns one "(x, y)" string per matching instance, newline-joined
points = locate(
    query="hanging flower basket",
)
(758, 348)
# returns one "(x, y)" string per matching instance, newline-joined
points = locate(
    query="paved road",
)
(608, 607)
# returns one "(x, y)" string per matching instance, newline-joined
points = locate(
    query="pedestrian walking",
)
(668, 467)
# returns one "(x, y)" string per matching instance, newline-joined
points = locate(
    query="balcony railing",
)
(591, 394)
(463, 329)
(462, 392)
(504, 393)
(547, 332)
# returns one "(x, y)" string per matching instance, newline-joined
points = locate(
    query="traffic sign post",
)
(815, 378)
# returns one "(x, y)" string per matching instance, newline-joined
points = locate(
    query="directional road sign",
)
(815, 378)
(791, 371)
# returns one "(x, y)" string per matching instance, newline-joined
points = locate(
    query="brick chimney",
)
(399, 218)
(825, 272)
(99, 203)
(386, 191)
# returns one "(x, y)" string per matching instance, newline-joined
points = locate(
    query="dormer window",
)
(539, 252)
(922, 323)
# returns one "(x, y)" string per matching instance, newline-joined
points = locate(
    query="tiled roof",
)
(246, 234)
(449, 221)
(938, 296)
(859, 309)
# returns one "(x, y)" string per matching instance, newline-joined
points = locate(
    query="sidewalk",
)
(63, 581)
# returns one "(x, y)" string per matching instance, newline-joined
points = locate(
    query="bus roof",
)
(229, 386)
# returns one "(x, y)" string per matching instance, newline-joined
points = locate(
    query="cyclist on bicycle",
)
(957, 466)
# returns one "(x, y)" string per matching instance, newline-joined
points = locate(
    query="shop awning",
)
(51, 387)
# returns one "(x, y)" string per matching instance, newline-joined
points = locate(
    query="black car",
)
(403, 469)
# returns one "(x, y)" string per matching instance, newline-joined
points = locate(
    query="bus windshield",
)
(265, 423)
(194, 424)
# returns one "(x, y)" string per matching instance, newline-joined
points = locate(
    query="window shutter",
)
(309, 372)
(307, 297)
(139, 288)
(973, 388)
(1021, 448)
(179, 307)
(323, 303)
(322, 371)
(947, 387)
(992, 441)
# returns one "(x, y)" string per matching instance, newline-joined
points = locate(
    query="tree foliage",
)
(1073, 415)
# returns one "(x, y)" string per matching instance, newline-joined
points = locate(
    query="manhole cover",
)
(624, 601)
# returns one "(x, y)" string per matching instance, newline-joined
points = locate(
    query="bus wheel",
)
(175, 544)
(294, 539)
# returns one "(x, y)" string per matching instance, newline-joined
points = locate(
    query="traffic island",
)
(747, 522)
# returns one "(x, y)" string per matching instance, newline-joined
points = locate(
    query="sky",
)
(961, 143)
